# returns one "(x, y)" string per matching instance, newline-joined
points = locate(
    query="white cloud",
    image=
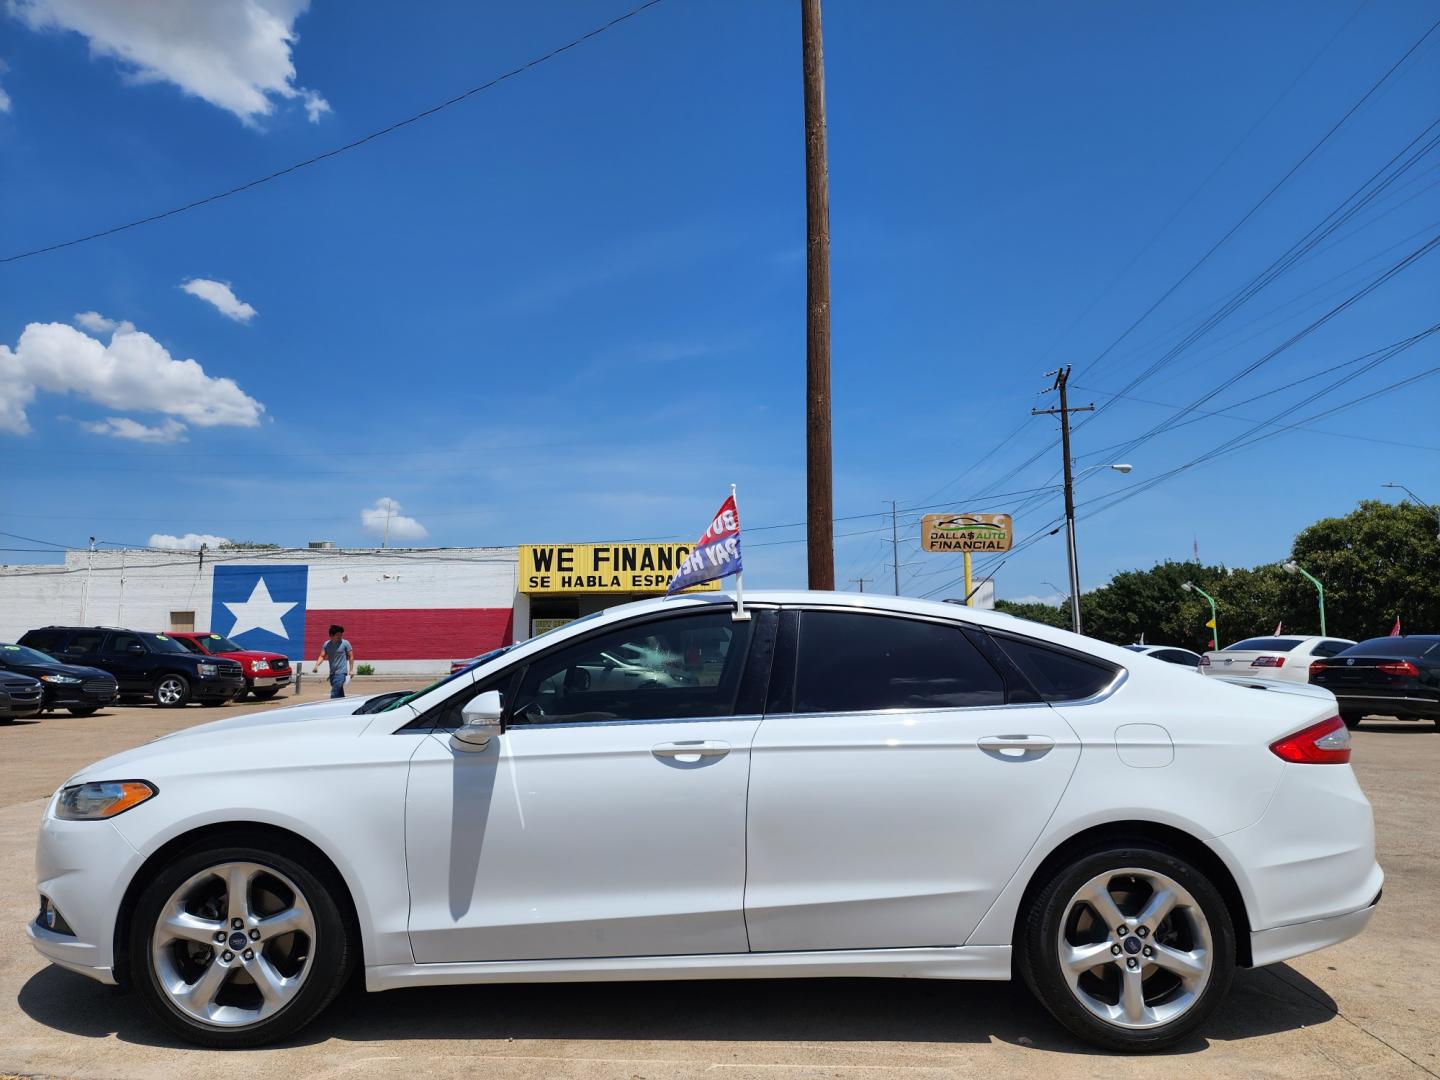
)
(122, 427)
(4, 100)
(96, 323)
(219, 295)
(374, 520)
(134, 372)
(235, 54)
(188, 542)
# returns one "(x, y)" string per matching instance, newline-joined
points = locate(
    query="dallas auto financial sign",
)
(966, 532)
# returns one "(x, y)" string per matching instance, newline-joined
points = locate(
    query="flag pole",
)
(739, 614)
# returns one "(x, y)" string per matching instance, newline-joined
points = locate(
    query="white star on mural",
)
(259, 613)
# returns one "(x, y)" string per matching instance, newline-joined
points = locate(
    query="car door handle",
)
(1016, 747)
(691, 750)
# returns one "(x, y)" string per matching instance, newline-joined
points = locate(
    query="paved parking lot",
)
(1370, 1007)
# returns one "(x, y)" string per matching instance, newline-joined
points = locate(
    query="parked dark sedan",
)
(80, 690)
(1392, 676)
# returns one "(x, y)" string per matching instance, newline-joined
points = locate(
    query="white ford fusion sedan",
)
(836, 785)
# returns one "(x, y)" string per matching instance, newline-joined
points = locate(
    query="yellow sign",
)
(966, 532)
(602, 568)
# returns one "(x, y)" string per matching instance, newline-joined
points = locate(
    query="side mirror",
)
(135, 650)
(479, 722)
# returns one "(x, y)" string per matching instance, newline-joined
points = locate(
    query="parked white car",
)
(867, 786)
(1171, 654)
(1286, 658)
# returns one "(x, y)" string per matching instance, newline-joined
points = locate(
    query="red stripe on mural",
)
(412, 633)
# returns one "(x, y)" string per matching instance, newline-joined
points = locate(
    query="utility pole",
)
(895, 543)
(1062, 378)
(85, 590)
(819, 502)
(861, 582)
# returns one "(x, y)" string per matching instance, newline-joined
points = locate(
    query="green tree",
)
(1378, 562)
(1041, 613)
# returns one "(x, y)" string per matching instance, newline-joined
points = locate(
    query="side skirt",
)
(988, 962)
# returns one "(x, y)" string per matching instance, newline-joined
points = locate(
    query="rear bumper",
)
(1388, 704)
(1287, 942)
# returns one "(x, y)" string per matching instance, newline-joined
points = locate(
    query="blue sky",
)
(572, 307)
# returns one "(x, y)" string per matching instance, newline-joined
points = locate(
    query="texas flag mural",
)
(716, 554)
(261, 607)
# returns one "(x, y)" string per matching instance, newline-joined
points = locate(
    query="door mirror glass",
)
(480, 721)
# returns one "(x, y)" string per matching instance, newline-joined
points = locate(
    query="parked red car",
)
(266, 673)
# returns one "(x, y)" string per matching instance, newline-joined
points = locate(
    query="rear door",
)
(85, 647)
(893, 791)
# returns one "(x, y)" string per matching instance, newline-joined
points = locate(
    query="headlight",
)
(262, 665)
(206, 670)
(64, 680)
(102, 799)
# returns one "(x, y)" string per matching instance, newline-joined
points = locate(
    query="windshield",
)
(1264, 644)
(448, 678)
(1137, 648)
(1396, 646)
(19, 654)
(216, 644)
(161, 643)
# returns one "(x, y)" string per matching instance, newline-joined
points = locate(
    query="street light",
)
(1292, 567)
(1070, 538)
(1190, 586)
(1422, 502)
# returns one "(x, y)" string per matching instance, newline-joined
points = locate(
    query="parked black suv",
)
(152, 665)
(81, 690)
(19, 697)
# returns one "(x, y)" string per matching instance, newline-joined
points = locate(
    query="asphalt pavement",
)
(1369, 1007)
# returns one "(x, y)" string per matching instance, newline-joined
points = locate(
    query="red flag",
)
(1395, 630)
(1280, 628)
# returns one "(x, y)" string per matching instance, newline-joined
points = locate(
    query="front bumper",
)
(83, 867)
(261, 682)
(77, 697)
(22, 709)
(1288, 942)
(218, 686)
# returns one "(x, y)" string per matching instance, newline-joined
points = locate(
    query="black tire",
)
(243, 691)
(172, 691)
(1351, 718)
(86, 710)
(1038, 944)
(331, 961)
(211, 703)
(266, 694)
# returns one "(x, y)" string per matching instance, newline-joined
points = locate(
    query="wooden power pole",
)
(819, 503)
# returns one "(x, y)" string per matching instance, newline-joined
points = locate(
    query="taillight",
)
(1325, 743)
(1316, 666)
(1204, 661)
(1268, 661)
(1398, 667)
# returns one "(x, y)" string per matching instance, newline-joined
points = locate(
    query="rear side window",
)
(1178, 656)
(85, 641)
(1057, 674)
(853, 662)
(44, 640)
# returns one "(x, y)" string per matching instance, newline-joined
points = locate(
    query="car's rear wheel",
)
(1130, 947)
(171, 691)
(239, 946)
(1351, 718)
(88, 710)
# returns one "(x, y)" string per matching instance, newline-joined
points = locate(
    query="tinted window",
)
(19, 654)
(1178, 656)
(163, 643)
(853, 662)
(121, 642)
(677, 668)
(190, 646)
(1264, 644)
(85, 641)
(1137, 648)
(1056, 674)
(1396, 646)
(1329, 648)
(45, 640)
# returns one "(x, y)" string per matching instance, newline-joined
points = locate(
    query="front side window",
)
(678, 668)
(1057, 674)
(121, 642)
(859, 662)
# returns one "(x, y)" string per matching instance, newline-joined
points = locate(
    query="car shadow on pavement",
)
(1264, 1002)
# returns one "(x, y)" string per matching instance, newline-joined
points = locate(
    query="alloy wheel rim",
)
(1135, 948)
(233, 945)
(169, 691)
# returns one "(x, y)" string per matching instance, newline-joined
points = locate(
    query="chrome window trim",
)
(563, 725)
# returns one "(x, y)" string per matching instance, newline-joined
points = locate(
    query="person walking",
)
(342, 660)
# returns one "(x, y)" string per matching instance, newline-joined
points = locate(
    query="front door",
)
(893, 792)
(609, 817)
(132, 670)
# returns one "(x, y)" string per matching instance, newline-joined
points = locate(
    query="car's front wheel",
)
(1351, 718)
(239, 946)
(171, 691)
(1130, 947)
(85, 710)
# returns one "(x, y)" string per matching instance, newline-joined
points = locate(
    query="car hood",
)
(333, 717)
(252, 654)
(75, 670)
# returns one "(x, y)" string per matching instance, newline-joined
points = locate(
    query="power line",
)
(390, 129)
